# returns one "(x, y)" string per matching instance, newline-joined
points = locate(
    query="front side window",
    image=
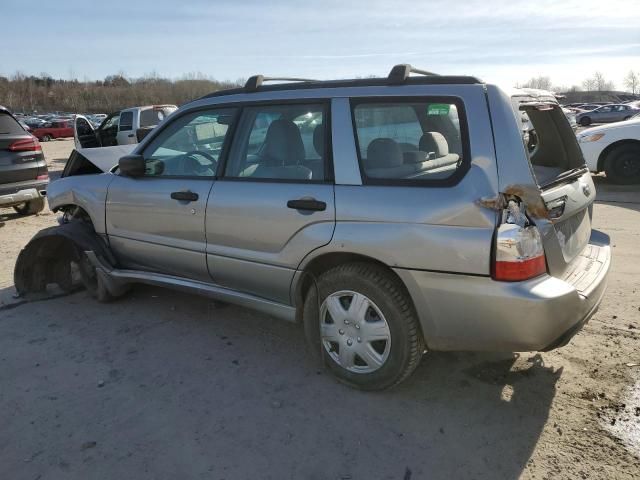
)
(413, 140)
(190, 146)
(111, 122)
(280, 142)
(126, 121)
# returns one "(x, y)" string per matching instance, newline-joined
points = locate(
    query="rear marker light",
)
(519, 254)
(27, 145)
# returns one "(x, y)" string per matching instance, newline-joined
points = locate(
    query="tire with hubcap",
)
(585, 121)
(46, 138)
(362, 321)
(622, 164)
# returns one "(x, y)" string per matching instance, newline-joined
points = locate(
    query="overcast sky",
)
(501, 41)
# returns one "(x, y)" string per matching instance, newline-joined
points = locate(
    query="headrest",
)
(318, 139)
(434, 142)
(283, 144)
(384, 153)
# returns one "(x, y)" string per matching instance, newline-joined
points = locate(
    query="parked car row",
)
(589, 113)
(98, 129)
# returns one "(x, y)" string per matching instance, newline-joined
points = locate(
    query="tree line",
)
(29, 94)
(596, 83)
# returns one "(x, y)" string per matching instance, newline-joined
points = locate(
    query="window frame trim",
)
(465, 140)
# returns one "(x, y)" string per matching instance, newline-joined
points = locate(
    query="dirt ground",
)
(165, 385)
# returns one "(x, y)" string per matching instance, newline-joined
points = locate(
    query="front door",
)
(274, 202)
(84, 135)
(157, 222)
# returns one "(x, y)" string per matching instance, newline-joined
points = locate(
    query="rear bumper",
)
(460, 312)
(14, 194)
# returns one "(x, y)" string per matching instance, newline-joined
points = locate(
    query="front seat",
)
(282, 154)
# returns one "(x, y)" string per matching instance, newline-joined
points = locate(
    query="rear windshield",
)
(9, 126)
(551, 142)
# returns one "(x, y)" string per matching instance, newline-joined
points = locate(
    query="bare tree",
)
(589, 84)
(542, 83)
(632, 82)
(601, 83)
(45, 94)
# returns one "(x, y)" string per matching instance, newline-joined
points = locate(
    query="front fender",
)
(88, 192)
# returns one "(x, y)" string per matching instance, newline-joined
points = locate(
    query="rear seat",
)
(386, 159)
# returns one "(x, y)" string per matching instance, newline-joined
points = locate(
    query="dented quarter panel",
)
(422, 227)
(86, 191)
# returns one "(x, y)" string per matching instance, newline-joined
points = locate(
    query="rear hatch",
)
(16, 164)
(564, 181)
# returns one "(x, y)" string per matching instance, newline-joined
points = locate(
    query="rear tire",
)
(46, 138)
(31, 207)
(373, 347)
(622, 165)
(585, 121)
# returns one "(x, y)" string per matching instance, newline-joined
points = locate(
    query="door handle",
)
(130, 135)
(307, 204)
(185, 196)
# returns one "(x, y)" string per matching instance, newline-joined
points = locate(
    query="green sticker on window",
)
(438, 109)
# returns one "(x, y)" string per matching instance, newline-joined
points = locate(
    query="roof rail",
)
(253, 83)
(400, 73)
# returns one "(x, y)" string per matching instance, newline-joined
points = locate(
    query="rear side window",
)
(9, 126)
(126, 121)
(407, 141)
(151, 117)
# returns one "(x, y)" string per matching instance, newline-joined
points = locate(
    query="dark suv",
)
(23, 170)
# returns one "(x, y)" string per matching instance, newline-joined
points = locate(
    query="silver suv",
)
(390, 216)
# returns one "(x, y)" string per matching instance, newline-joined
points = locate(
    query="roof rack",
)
(400, 73)
(253, 83)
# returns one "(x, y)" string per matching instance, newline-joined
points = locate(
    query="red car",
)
(54, 129)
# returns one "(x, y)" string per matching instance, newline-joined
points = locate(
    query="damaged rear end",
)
(545, 209)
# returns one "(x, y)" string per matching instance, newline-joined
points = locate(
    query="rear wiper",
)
(574, 172)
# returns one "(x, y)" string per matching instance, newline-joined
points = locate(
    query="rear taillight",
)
(518, 254)
(43, 177)
(26, 145)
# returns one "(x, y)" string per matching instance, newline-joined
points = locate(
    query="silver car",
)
(389, 216)
(606, 113)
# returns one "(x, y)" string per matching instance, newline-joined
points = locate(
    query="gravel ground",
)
(165, 385)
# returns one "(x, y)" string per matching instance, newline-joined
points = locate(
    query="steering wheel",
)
(196, 166)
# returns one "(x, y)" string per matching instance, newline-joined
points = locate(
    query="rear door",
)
(274, 202)
(126, 131)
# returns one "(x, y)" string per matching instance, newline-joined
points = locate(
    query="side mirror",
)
(132, 165)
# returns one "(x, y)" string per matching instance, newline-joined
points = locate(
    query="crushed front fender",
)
(55, 255)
